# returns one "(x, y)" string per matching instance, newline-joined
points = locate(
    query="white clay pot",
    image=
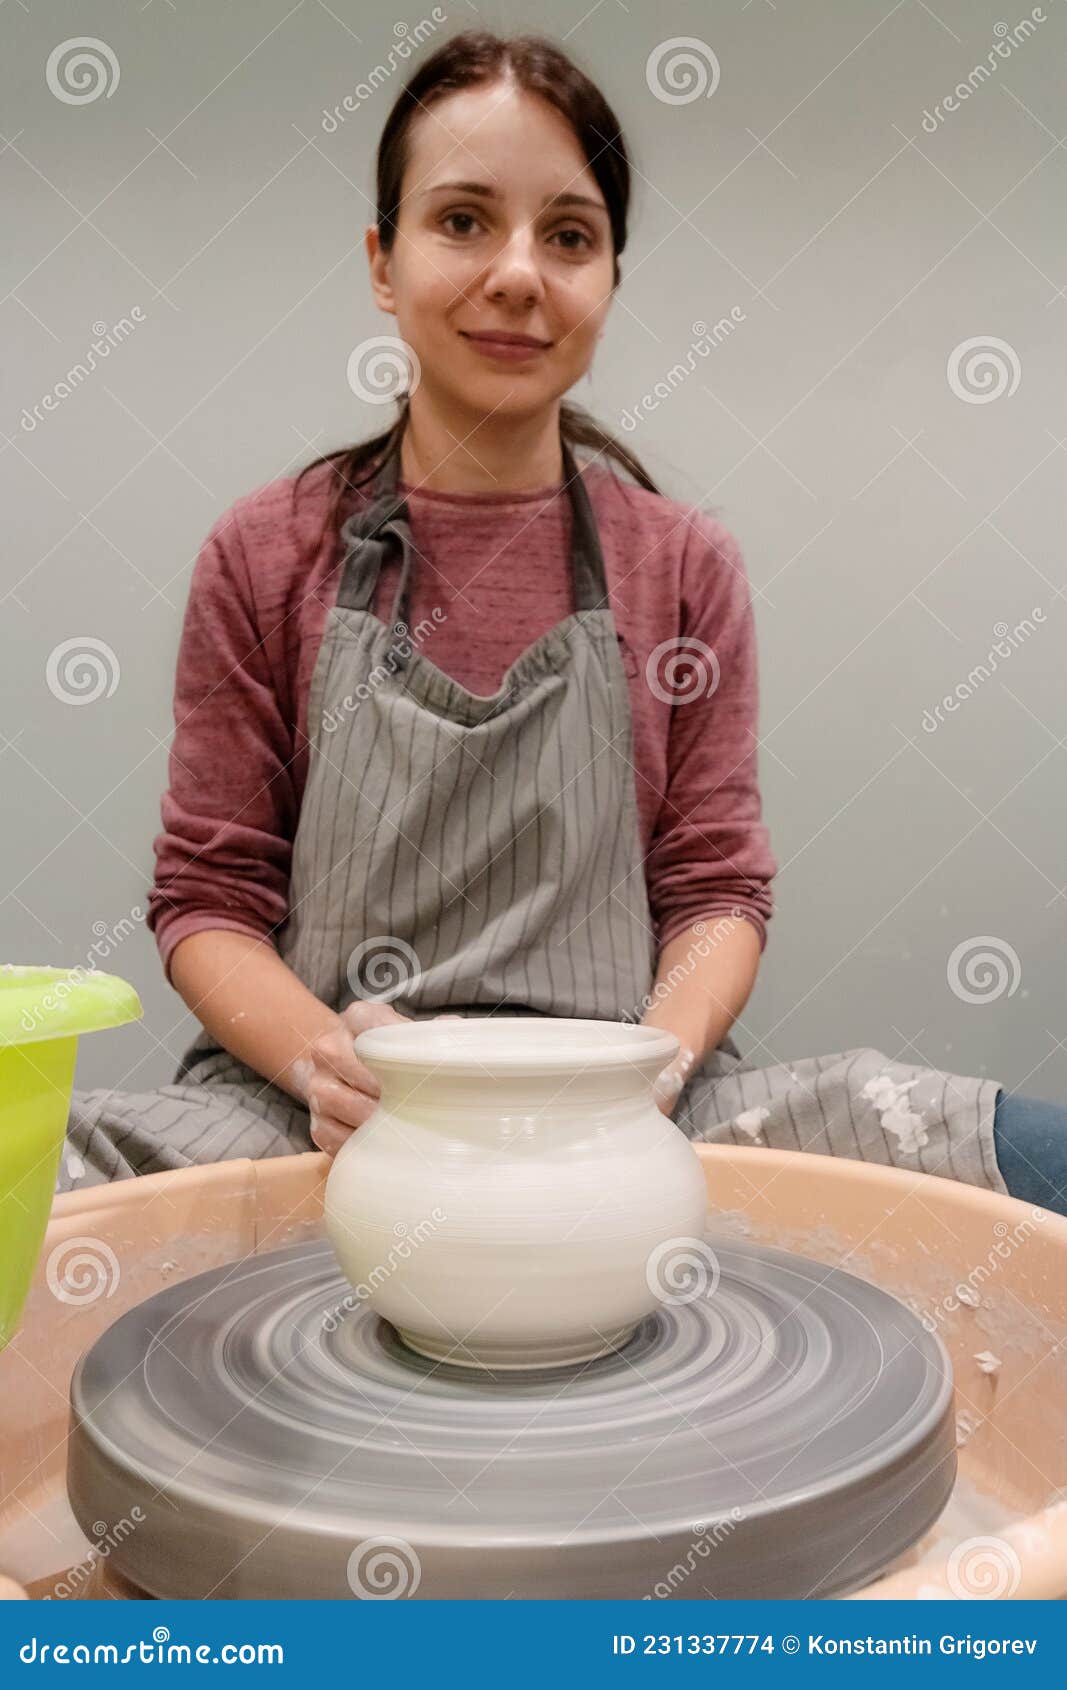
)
(513, 1199)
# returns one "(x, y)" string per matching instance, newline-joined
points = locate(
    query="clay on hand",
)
(341, 1093)
(667, 1086)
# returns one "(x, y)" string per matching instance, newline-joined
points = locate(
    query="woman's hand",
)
(667, 1086)
(341, 1092)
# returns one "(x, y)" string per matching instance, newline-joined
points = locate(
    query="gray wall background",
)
(898, 496)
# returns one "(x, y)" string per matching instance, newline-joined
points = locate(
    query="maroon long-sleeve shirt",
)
(497, 565)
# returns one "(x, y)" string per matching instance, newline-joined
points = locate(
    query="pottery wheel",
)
(788, 1435)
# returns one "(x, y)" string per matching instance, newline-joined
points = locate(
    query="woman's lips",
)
(503, 350)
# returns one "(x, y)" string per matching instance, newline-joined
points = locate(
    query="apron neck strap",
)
(374, 532)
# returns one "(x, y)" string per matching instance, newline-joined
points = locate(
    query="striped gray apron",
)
(453, 852)
(483, 854)
(858, 1103)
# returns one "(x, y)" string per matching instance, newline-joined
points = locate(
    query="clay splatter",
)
(966, 1295)
(751, 1121)
(301, 1073)
(966, 1426)
(890, 1101)
(987, 1361)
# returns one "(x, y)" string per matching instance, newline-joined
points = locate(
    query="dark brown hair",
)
(468, 59)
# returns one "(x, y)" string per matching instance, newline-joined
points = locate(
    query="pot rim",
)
(516, 1044)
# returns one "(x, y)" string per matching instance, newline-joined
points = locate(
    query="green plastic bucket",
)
(43, 1012)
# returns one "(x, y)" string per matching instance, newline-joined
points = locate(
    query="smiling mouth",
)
(521, 342)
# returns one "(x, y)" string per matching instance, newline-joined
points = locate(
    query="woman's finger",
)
(337, 1082)
(365, 1012)
(335, 1050)
(333, 1098)
(328, 1134)
(335, 1057)
(668, 1084)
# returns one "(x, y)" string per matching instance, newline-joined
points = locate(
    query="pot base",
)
(496, 1358)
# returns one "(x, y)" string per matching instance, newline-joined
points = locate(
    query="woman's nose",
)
(516, 269)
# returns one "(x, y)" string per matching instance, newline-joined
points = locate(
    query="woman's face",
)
(484, 243)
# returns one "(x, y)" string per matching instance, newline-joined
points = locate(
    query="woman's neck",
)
(501, 455)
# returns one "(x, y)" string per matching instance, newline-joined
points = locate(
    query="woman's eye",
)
(571, 240)
(464, 217)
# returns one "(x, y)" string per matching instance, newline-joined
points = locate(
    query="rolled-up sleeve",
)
(710, 852)
(229, 813)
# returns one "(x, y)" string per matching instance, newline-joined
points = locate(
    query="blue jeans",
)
(1030, 1138)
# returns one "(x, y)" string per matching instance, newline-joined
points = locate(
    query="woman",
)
(432, 718)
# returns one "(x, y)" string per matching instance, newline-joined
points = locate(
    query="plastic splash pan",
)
(987, 1272)
(43, 1013)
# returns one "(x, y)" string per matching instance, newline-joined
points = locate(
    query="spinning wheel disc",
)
(787, 1435)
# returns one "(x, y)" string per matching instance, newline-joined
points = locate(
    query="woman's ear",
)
(378, 260)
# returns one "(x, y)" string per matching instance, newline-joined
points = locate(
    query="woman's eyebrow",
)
(487, 192)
